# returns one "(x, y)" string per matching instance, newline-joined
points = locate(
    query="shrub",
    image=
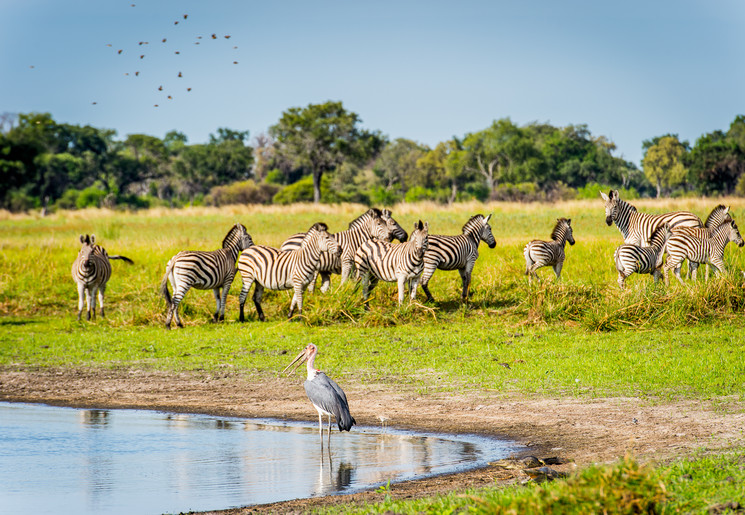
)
(244, 192)
(302, 191)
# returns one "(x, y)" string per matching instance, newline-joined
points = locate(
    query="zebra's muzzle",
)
(609, 220)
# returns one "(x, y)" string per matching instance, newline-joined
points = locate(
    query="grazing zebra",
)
(283, 270)
(380, 260)
(204, 270)
(91, 271)
(709, 250)
(631, 259)
(457, 252)
(539, 253)
(718, 216)
(636, 227)
(371, 224)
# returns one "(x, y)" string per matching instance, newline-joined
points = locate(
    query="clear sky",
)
(425, 70)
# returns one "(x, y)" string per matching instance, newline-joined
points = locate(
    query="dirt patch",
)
(587, 430)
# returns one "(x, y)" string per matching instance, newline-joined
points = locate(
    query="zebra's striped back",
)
(636, 227)
(539, 253)
(718, 216)
(631, 259)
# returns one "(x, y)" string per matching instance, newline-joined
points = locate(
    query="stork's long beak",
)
(299, 360)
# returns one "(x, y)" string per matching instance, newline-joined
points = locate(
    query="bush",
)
(90, 197)
(244, 192)
(302, 191)
(418, 193)
(520, 192)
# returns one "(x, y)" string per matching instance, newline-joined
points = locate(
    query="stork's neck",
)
(312, 372)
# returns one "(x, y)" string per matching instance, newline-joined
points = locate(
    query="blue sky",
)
(426, 71)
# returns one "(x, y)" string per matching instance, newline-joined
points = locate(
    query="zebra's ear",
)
(604, 196)
(569, 221)
(83, 237)
(614, 194)
(93, 238)
(487, 218)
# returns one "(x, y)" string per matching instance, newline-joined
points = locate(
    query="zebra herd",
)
(366, 249)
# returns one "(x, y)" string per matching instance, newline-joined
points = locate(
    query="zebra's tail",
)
(528, 261)
(123, 258)
(164, 285)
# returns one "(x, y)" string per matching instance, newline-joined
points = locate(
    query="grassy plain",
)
(579, 338)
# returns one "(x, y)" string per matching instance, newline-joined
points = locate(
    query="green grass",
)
(699, 484)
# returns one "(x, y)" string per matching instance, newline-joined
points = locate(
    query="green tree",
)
(320, 137)
(716, 163)
(663, 164)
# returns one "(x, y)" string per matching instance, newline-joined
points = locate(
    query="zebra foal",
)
(91, 270)
(709, 250)
(636, 227)
(283, 270)
(631, 259)
(204, 270)
(372, 224)
(379, 260)
(539, 253)
(457, 253)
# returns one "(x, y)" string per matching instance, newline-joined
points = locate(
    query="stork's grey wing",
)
(327, 395)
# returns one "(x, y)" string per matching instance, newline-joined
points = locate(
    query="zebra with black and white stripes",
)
(457, 252)
(371, 224)
(91, 270)
(379, 260)
(204, 270)
(636, 227)
(631, 259)
(539, 253)
(709, 250)
(283, 270)
(718, 216)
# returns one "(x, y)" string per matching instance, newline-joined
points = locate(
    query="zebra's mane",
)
(362, 219)
(316, 227)
(231, 237)
(715, 215)
(474, 224)
(658, 236)
(559, 228)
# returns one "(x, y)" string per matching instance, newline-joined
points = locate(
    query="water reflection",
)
(61, 460)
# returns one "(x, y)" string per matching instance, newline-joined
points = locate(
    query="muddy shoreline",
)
(586, 430)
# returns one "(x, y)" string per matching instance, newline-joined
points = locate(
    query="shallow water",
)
(65, 460)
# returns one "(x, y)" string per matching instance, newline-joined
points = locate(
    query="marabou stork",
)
(325, 395)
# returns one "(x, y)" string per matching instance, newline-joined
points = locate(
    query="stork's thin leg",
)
(320, 428)
(329, 431)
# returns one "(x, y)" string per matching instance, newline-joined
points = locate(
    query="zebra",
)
(283, 270)
(718, 216)
(631, 259)
(91, 270)
(371, 224)
(701, 250)
(379, 260)
(457, 252)
(636, 227)
(539, 253)
(204, 270)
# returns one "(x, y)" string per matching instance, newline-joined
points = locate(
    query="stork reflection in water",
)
(325, 395)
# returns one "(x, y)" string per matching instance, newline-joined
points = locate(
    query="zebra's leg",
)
(92, 291)
(247, 280)
(533, 274)
(427, 274)
(81, 298)
(366, 289)
(717, 266)
(216, 314)
(693, 269)
(621, 279)
(312, 283)
(101, 292)
(325, 281)
(258, 293)
(297, 300)
(178, 296)
(412, 285)
(676, 271)
(465, 277)
(557, 269)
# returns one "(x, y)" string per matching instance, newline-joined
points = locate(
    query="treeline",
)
(320, 153)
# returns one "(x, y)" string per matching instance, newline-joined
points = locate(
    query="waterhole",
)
(79, 461)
